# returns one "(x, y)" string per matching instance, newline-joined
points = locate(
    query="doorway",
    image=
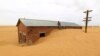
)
(22, 38)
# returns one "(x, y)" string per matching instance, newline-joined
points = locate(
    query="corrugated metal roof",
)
(69, 24)
(33, 22)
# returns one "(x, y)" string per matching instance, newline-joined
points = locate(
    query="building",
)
(30, 30)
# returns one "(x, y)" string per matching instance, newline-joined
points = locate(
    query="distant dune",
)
(65, 42)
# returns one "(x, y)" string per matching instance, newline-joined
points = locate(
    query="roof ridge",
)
(38, 20)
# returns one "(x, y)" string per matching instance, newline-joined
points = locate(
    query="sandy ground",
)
(66, 42)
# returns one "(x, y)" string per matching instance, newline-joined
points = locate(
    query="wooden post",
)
(86, 19)
(59, 25)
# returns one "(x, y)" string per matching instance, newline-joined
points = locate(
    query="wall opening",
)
(42, 34)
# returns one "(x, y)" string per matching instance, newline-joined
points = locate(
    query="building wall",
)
(34, 32)
(72, 27)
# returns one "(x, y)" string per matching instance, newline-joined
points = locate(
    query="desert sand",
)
(65, 42)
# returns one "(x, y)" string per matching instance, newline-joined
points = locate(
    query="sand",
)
(66, 42)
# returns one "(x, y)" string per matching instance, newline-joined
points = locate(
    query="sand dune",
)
(66, 42)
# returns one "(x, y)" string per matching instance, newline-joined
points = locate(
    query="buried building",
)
(30, 30)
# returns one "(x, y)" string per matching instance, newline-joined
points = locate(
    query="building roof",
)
(34, 22)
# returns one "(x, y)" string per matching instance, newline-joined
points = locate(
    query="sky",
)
(59, 10)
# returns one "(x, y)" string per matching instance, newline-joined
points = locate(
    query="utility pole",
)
(87, 19)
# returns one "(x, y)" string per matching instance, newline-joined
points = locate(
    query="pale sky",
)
(62, 10)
